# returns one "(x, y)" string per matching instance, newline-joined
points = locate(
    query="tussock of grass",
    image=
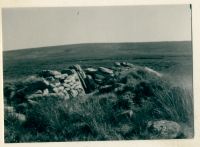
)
(122, 113)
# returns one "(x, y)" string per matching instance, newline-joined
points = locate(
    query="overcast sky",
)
(37, 27)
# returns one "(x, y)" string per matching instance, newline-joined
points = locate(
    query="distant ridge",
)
(101, 43)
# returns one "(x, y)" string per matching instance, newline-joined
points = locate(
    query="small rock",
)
(55, 90)
(58, 76)
(98, 81)
(73, 86)
(21, 117)
(61, 88)
(57, 84)
(46, 92)
(52, 85)
(105, 70)
(164, 129)
(98, 76)
(65, 75)
(81, 91)
(106, 88)
(71, 83)
(129, 64)
(73, 93)
(38, 92)
(46, 82)
(117, 64)
(67, 89)
(123, 64)
(70, 79)
(90, 70)
(77, 86)
(66, 85)
(126, 64)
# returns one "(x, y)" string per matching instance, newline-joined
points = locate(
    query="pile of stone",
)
(66, 83)
(100, 75)
(74, 81)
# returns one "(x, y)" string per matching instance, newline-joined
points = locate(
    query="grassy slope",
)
(91, 116)
(158, 55)
(104, 115)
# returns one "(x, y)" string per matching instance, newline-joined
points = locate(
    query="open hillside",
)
(161, 56)
(101, 91)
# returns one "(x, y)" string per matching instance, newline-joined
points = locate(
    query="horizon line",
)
(93, 43)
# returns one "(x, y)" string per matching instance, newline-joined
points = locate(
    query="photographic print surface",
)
(97, 73)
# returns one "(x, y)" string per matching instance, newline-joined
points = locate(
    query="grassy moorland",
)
(120, 114)
(167, 57)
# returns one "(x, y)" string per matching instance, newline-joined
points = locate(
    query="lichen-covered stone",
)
(164, 129)
(105, 70)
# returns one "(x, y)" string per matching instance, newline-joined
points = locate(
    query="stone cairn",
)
(72, 82)
(69, 83)
(75, 81)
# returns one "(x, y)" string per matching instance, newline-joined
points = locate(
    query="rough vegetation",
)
(122, 102)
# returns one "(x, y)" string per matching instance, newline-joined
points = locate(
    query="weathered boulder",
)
(90, 70)
(99, 76)
(70, 79)
(105, 70)
(38, 92)
(73, 93)
(164, 129)
(46, 92)
(59, 76)
(126, 64)
(106, 88)
(66, 85)
(57, 84)
(79, 70)
(20, 117)
(61, 88)
(55, 90)
(117, 64)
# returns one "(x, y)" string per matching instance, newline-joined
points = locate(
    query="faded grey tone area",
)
(36, 27)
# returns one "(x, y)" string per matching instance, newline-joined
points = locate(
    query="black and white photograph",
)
(97, 73)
